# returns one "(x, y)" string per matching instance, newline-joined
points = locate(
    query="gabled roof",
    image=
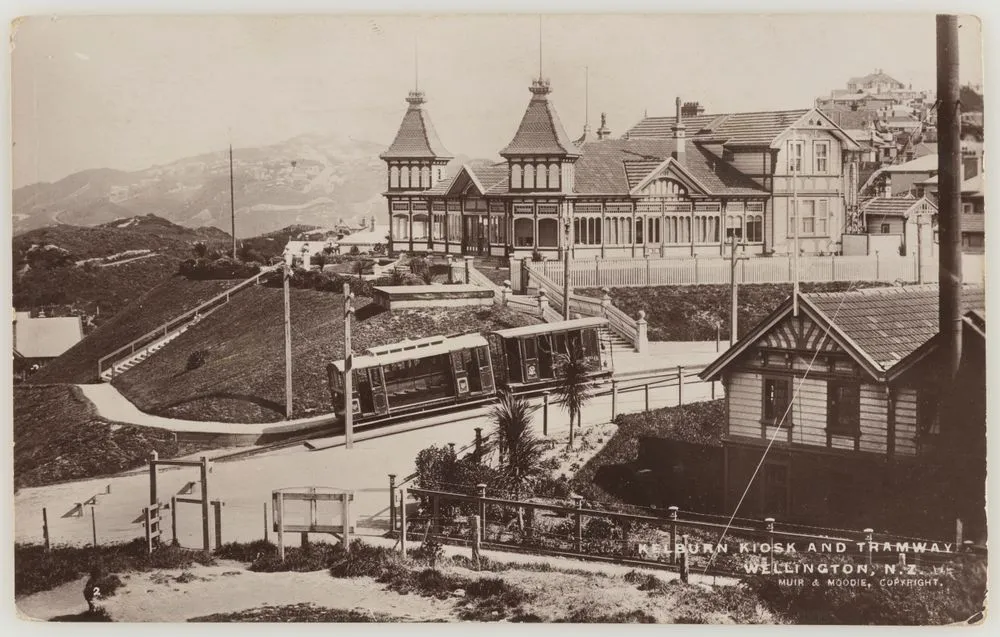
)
(854, 120)
(416, 137)
(486, 177)
(924, 164)
(540, 131)
(879, 327)
(46, 337)
(759, 128)
(973, 186)
(895, 206)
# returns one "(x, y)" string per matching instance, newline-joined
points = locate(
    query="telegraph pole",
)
(232, 200)
(796, 158)
(286, 275)
(348, 369)
(566, 270)
(733, 260)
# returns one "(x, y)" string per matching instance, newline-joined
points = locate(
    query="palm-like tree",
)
(520, 451)
(574, 389)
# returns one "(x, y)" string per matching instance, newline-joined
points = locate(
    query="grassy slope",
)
(171, 298)
(690, 312)
(242, 379)
(58, 437)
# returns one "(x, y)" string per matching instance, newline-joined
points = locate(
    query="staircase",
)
(138, 357)
(617, 342)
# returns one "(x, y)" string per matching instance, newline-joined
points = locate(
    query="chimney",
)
(887, 191)
(604, 132)
(678, 129)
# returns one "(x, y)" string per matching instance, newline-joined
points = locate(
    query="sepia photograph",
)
(591, 318)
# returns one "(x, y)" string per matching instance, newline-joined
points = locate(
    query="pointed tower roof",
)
(540, 132)
(416, 138)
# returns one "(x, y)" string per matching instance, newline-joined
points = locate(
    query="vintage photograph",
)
(591, 318)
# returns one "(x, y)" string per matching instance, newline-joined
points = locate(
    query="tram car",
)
(421, 374)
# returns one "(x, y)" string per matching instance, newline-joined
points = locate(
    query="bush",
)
(196, 359)
(312, 557)
(246, 551)
(364, 560)
(201, 269)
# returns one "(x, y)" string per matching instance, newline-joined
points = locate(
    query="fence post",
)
(718, 335)
(279, 523)
(605, 301)
(614, 399)
(770, 541)
(346, 517)
(868, 544)
(476, 541)
(481, 489)
(878, 268)
(265, 522)
(597, 270)
(451, 275)
(545, 413)
(217, 511)
(173, 521)
(543, 303)
(833, 267)
(673, 534)
(392, 501)
(685, 562)
(153, 457)
(505, 292)
(696, 269)
(204, 504)
(578, 499)
(468, 268)
(680, 385)
(93, 522)
(45, 528)
(790, 268)
(647, 270)
(712, 384)
(645, 390)
(402, 522)
(642, 339)
(147, 515)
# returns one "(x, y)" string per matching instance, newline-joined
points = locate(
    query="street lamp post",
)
(566, 224)
(733, 260)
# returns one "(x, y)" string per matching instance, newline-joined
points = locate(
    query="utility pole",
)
(949, 197)
(348, 369)
(232, 199)
(286, 275)
(566, 269)
(733, 323)
(796, 158)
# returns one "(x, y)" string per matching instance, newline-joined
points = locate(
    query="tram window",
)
(561, 344)
(575, 348)
(513, 360)
(529, 347)
(590, 346)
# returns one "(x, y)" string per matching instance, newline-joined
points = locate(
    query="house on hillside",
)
(365, 241)
(973, 217)
(38, 340)
(900, 225)
(832, 415)
(672, 186)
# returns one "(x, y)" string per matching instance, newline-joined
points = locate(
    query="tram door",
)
(460, 375)
(485, 369)
(377, 388)
(529, 358)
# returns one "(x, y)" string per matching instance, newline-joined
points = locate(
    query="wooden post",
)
(868, 545)
(713, 389)
(476, 541)
(217, 506)
(392, 501)
(147, 522)
(402, 522)
(45, 528)
(673, 535)
(614, 399)
(545, 414)
(346, 515)
(348, 370)
(481, 488)
(93, 523)
(153, 457)
(770, 540)
(685, 562)
(680, 385)
(958, 532)
(646, 392)
(206, 541)
(578, 499)
(288, 341)
(278, 514)
(173, 521)
(265, 523)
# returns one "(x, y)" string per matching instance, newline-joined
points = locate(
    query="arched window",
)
(614, 228)
(401, 227)
(548, 233)
(576, 231)
(425, 177)
(524, 233)
(394, 176)
(554, 176)
(404, 177)
(421, 226)
(542, 178)
(529, 176)
(515, 176)
(638, 231)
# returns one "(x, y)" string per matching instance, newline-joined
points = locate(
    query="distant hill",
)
(304, 180)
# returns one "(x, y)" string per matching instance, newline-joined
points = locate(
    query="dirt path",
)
(61, 600)
(175, 595)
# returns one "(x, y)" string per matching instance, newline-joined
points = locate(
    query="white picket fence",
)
(713, 270)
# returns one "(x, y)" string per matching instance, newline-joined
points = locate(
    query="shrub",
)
(308, 558)
(196, 359)
(354, 250)
(364, 560)
(246, 551)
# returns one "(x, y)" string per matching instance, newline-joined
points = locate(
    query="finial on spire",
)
(416, 66)
(540, 76)
(586, 97)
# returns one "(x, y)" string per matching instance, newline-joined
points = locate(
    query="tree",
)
(200, 250)
(520, 452)
(427, 276)
(574, 389)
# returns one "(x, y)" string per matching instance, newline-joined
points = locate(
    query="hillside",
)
(242, 378)
(303, 180)
(163, 302)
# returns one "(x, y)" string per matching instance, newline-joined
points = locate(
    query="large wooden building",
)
(832, 415)
(679, 185)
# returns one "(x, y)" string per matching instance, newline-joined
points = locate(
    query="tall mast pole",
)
(796, 157)
(232, 199)
(348, 370)
(286, 275)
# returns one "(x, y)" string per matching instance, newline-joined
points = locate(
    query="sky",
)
(132, 92)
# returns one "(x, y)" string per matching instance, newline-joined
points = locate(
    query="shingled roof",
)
(416, 137)
(739, 129)
(540, 131)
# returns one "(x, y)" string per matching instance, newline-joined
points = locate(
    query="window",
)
(394, 176)
(884, 228)
(843, 404)
(404, 181)
(439, 227)
(548, 233)
(420, 226)
(821, 151)
(515, 176)
(755, 228)
(967, 208)
(542, 178)
(734, 226)
(425, 177)
(638, 230)
(972, 240)
(822, 216)
(809, 221)
(454, 228)
(794, 156)
(777, 398)
(928, 421)
(524, 233)
(401, 227)
(553, 175)
(529, 177)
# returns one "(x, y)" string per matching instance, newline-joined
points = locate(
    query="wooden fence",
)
(651, 271)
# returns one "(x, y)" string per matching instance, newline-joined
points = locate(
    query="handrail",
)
(162, 328)
(478, 278)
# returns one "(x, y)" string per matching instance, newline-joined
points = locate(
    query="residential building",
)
(40, 339)
(900, 225)
(374, 239)
(832, 415)
(973, 216)
(681, 185)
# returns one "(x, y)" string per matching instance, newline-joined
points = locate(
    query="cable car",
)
(529, 355)
(414, 375)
